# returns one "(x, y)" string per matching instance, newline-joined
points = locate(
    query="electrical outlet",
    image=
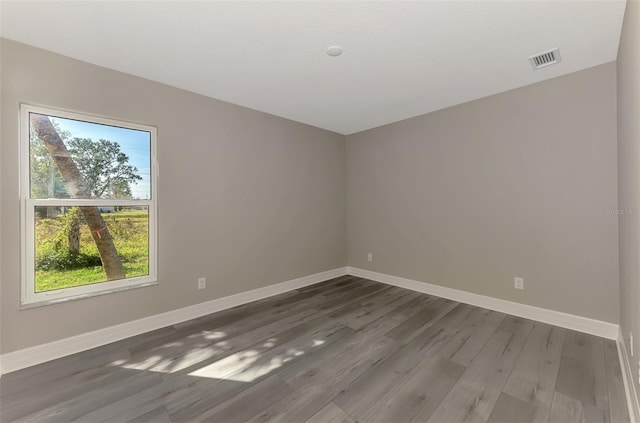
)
(369, 257)
(518, 283)
(631, 342)
(202, 283)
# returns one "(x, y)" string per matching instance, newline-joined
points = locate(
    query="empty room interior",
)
(320, 211)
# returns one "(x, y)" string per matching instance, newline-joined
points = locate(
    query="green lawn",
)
(129, 230)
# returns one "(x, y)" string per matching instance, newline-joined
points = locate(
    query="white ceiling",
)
(401, 59)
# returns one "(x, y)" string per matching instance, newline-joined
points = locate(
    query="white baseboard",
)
(20, 359)
(557, 318)
(633, 402)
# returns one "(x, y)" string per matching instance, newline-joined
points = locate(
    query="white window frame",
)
(31, 298)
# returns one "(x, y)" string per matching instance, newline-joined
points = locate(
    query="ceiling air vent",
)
(546, 58)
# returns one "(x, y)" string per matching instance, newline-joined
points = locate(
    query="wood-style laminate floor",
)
(347, 350)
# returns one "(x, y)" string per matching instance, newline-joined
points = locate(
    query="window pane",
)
(113, 162)
(66, 254)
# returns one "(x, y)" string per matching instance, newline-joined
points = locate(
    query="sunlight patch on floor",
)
(250, 365)
(172, 356)
(212, 336)
(243, 366)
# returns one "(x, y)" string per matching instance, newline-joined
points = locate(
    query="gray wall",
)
(516, 184)
(629, 178)
(246, 199)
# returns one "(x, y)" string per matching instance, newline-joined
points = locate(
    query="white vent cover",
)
(546, 58)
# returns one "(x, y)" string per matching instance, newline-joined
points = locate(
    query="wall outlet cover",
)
(518, 283)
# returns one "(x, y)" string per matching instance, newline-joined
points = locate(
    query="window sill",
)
(35, 304)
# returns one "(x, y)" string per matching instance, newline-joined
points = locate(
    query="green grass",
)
(129, 230)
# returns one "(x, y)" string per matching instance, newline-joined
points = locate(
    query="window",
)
(88, 199)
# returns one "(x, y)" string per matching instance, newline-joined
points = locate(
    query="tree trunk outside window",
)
(78, 189)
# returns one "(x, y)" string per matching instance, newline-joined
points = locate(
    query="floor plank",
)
(510, 409)
(159, 415)
(478, 389)
(533, 378)
(242, 407)
(428, 315)
(468, 342)
(72, 408)
(390, 374)
(566, 409)
(331, 413)
(375, 307)
(316, 385)
(582, 373)
(416, 400)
